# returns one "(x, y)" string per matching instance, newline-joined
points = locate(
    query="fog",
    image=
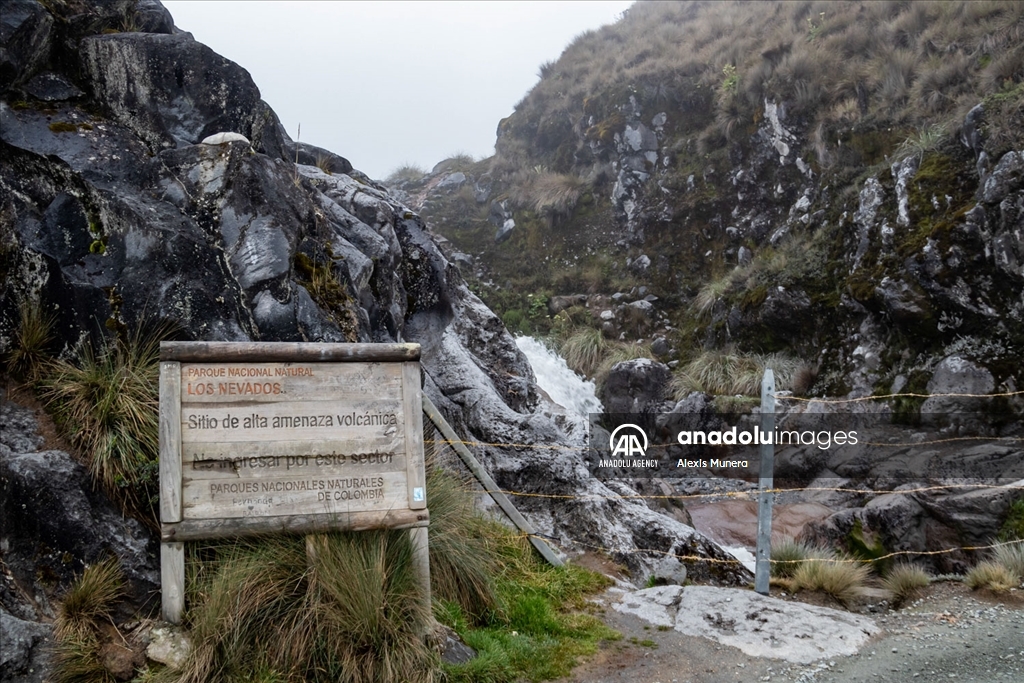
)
(392, 83)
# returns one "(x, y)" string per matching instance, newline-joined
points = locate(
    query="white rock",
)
(169, 645)
(222, 138)
(762, 626)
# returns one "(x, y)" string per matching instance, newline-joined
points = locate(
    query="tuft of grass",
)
(923, 141)
(1011, 556)
(76, 653)
(406, 173)
(28, 355)
(584, 350)
(729, 372)
(339, 606)
(545, 192)
(839, 578)
(105, 402)
(89, 599)
(904, 581)
(77, 660)
(788, 554)
(709, 295)
(461, 564)
(63, 127)
(323, 162)
(991, 575)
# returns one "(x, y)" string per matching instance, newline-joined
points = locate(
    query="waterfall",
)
(574, 393)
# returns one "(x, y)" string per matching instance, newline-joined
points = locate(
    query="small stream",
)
(579, 397)
(574, 393)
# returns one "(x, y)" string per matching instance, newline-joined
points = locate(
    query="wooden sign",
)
(270, 437)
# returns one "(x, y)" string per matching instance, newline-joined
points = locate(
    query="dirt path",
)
(948, 634)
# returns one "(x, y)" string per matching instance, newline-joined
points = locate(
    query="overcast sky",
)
(389, 83)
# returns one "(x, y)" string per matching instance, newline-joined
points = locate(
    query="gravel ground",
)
(948, 634)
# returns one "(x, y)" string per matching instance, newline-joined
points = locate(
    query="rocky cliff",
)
(125, 208)
(838, 182)
(832, 189)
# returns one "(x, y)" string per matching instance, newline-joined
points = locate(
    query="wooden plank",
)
(374, 422)
(762, 558)
(262, 468)
(247, 383)
(489, 485)
(194, 530)
(172, 581)
(413, 404)
(241, 453)
(240, 352)
(294, 495)
(170, 442)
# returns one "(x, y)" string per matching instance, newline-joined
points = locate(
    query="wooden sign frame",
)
(180, 522)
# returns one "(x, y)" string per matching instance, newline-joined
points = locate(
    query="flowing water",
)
(578, 396)
(574, 393)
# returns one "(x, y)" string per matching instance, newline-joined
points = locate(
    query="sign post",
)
(762, 570)
(303, 438)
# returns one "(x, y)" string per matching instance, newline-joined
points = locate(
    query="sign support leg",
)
(421, 566)
(172, 580)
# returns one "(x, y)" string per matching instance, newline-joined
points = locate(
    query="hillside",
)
(836, 182)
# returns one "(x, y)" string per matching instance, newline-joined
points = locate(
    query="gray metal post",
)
(767, 482)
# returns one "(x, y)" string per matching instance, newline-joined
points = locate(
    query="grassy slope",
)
(863, 83)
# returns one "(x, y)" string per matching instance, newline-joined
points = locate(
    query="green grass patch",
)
(1013, 525)
(536, 633)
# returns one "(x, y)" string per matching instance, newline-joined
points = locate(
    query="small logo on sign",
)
(627, 443)
(418, 494)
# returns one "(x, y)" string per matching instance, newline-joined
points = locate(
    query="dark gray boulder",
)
(25, 40)
(54, 523)
(23, 649)
(635, 386)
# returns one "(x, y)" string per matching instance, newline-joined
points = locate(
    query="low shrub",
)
(788, 554)
(1013, 525)
(730, 372)
(992, 576)
(1011, 556)
(841, 578)
(904, 581)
